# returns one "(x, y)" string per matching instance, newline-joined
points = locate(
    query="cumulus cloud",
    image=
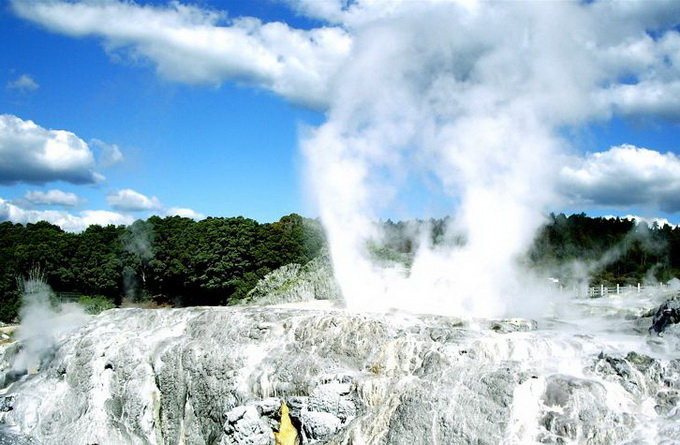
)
(183, 212)
(356, 12)
(67, 221)
(52, 198)
(19, 211)
(23, 83)
(132, 201)
(109, 154)
(632, 72)
(32, 154)
(192, 45)
(624, 176)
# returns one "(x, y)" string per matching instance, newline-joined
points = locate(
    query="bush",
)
(95, 304)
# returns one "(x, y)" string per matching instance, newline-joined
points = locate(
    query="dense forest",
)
(609, 250)
(171, 260)
(216, 261)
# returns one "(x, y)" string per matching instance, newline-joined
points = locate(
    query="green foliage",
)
(178, 261)
(171, 260)
(95, 304)
(618, 250)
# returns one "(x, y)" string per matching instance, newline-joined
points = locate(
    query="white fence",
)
(603, 291)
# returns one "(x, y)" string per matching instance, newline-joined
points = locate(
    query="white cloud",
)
(32, 154)
(109, 154)
(67, 221)
(360, 12)
(191, 45)
(132, 201)
(644, 219)
(127, 200)
(624, 176)
(649, 98)
(608, 41)
(354, 13)
(23, 83)
(183, 212)
(52, 197)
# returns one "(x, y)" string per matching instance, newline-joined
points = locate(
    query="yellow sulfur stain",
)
(287, 434)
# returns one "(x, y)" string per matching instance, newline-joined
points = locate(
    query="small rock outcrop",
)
(667, 314)
(294, 283)
(573, 415)
(311, 419)
(509, 325)
(8, 352)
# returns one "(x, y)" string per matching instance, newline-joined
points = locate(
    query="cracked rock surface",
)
(220, 376)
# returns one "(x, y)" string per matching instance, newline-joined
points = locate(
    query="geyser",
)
(43, 323)
(477, 96)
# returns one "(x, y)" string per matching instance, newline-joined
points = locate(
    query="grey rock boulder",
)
(513, 325)
(245, 426)
(573, 416)
(667, 314)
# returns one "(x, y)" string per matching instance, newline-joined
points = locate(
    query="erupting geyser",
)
(477, 95)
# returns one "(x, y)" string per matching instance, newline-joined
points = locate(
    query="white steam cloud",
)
(476, 95)
(43, 323)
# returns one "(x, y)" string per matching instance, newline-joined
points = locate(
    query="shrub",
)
(95, 304)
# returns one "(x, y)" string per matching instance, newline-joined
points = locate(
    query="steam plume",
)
(42, 323)
(138, 243)
(475, 96)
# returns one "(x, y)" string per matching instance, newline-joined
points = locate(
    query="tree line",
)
(570, 248)
(613, 250)
(171, 260)
(216, 261)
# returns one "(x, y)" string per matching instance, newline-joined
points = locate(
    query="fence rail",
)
(618, 289)
(64, 297)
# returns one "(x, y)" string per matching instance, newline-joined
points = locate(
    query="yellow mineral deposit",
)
(287, 434)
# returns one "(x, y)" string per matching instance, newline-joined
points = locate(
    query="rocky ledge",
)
(223, 376)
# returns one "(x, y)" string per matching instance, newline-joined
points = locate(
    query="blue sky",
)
(225, 141)
(221, 150)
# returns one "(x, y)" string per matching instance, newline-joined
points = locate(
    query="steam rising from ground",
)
(579, 272)
(42, 323)
(475, 97)
(137, 242)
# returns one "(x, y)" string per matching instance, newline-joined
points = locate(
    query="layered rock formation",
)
(294, 283)
(222, 376)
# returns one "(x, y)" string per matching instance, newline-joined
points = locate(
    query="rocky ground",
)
(221, 376)
(294, 283)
